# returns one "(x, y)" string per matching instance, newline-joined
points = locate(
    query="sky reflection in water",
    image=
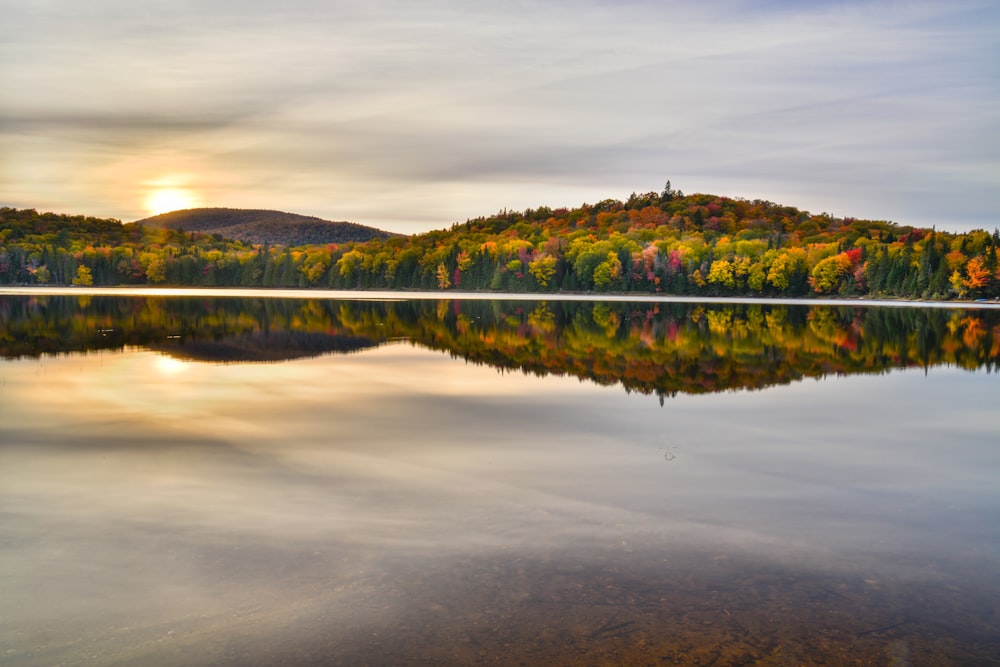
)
(399, 504)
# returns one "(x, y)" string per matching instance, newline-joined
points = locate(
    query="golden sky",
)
(413, 115)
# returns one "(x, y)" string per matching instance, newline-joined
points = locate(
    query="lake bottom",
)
(346, 501)
(604, 607)
(719, 611)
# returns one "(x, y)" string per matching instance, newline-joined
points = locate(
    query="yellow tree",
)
(156, 270)
(958, 283)
(543, 268)
(463, 261)
(784, 266)
(828, 273)
(316, 263)
(757, 275)
(349, 264)
(721, 273)
(442, 276)
(84, 277)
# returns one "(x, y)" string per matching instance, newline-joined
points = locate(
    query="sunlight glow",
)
(165, 200)
(169, 366)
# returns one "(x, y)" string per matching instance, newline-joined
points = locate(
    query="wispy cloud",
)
(414, 115)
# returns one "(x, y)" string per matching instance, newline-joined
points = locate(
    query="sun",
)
(165, 200)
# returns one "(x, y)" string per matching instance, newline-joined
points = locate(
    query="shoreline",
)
(401, 295)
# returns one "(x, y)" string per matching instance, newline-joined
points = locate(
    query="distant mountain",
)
(262, 226)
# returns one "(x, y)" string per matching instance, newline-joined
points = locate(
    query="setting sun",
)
(165, 200)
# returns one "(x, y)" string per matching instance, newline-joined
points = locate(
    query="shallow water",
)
(216, 481)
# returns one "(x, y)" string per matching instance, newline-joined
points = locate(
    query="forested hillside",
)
(664, 243)
(261, 226)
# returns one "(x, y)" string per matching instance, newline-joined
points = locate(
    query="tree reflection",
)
(653, 348)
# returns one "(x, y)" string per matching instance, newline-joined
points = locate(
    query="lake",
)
(239, 478)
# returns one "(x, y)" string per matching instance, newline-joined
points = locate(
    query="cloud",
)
(517, 104)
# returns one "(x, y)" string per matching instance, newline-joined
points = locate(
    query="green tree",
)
(607, 273)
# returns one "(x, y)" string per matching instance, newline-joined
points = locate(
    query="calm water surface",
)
(223, 481)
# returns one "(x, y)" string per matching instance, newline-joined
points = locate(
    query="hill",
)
(671, 243)
(654, 243)
(263, 226)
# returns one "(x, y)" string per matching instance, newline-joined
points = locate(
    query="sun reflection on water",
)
(169, 366)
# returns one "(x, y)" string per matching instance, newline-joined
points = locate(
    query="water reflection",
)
(660, 348)
(404, 506)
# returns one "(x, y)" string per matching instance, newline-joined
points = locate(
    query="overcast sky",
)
(412, 115)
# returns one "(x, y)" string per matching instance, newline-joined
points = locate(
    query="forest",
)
(654, 243)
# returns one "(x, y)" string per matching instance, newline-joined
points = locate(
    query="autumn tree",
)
(542, 268)
(442, 276)
(84, 277)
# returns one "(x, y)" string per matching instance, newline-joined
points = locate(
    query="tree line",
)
(666, 242)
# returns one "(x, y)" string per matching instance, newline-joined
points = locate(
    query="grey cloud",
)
(845, 101)
(83, 123)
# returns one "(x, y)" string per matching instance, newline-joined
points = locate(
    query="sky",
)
(413, 115)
